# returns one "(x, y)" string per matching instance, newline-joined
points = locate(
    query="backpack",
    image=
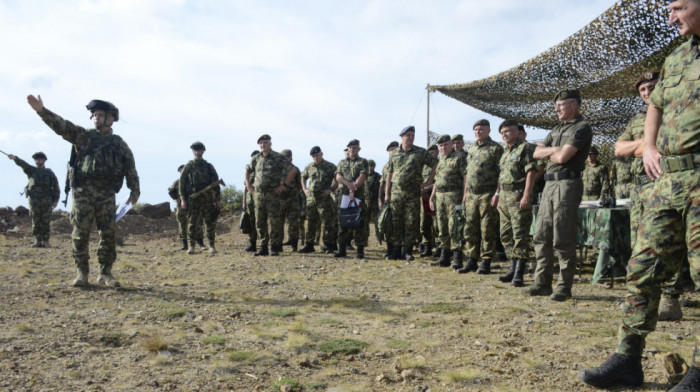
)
(385, 225)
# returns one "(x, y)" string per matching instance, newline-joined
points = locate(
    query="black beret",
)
(646, 77)
(287, 153)
(254, 153)
(180, 167)
(38, 155)
(353, 142)
(198, 146)
(264, 137)
(507, 123)
(568, 94)
(98, 104)
(392, 145)
(521, 128)
(433, 147)
(371, 163)
(457, 137)
(315, 150)
(443, 139)
(593, 150)
(409, 128)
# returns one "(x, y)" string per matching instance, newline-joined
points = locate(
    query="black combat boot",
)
(484, 267)
(201, 244)
(342, 252)
(184, 245)
(262, 252)
(421, 249)
(308, 248)
(469, 266)
(275, 250)
(690, 382)
(389, 250)
(561, 294)
(620, 369)
(457, 259)
(408, 252)
(252, 247)
(511, 272)
(331, 249)
(518, 274)
(289, 242)
(360, 252)
(536, 290)
(293, 245)
(395, 253)
(427, 250)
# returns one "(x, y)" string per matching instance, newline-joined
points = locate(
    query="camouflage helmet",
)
(108, 107)
(38, 155)
(198, 146)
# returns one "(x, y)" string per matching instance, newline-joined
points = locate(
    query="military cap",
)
(254, 153)
(315, 150)
(409, 128)
(371, 163)
(433, 147)
(443, 139)
(646, 77)
(38, 155)
(593, 151)
(286, 152)
(507, 123)
(483, 122)
(568, 94)
(392, 145)
(457, 137)
(521, 128)
(353, 142)
(264, 137)
(98, 104)
(345, 149)
(198, 146)
(180, 167)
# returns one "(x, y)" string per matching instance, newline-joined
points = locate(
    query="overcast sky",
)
(224, 72)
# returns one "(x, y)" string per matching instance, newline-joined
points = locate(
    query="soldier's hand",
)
(652, 157)
(217, 205)
(183, 205)
(494, 200)
(54, 204)
(11, 156)
(251, 190)
(432, 205)
(279, 189)
(525, 203)
(35, 102)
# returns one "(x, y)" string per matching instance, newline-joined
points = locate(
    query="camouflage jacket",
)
(197, 175)
(621, 172)
(295, 186)
(576, 132)
(450, 172)
(104, 159)
(320, 176)
(174, 190)
(596, 181)
(676, 95)
(269, 170)
(42, 182)
(635, 131)
(351, 170)
(482, 166)
(373, 181)
(515, 163)
(407, 168)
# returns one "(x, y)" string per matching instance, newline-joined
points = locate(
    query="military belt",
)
(518, 186)
(445, 189)
(641, 180)
(563, 175)
(482, 189)
(675, 163)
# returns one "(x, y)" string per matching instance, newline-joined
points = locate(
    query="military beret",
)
(409, 128)
(646, 77)
(568, 94)
(38, 155)
(286, 152)
(345, 149)
(433, 147)
(353, 142)
(198, 146)
(180, 167)
(371, 163)
(264, 137)
(593, 151)
(254, 153)
(392, 145)
(483, 122)
(98, 104)
(521, 128)
(443, 139)
(457, 137)
(315, 150)
(507, 123)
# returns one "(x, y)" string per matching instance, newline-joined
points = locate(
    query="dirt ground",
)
(295, 322)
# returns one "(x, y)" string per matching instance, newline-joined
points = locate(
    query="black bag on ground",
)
(245, 225)
(351, 216)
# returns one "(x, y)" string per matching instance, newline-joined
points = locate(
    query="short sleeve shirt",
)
(577, 133)
(515, 163)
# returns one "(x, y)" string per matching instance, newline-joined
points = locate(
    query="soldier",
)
(671, 156)
(541, 164)
(174, 193)
(566, 147)
(103, 160)
(319, 203)
(351, 174)
(248, 205)
(621, 177)
(373, 181)
(382, 188)
(458, 143)
(450, 175)
(596, 179)
(481, 218)
(292, 204)
(427, 213)
(195, 177)
(403, 188)
(269, 167)
(514, 200)
(43, 192)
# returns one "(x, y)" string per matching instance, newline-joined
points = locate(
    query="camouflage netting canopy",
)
(603, 60)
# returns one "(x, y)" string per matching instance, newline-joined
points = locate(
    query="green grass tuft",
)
(343, 346)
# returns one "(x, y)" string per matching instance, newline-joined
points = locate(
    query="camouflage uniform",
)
(174, 192)
(269, 173)
(621, 177)
(250, 209)
(43, 191)
(426, 221)
(449, 188)
(104, 159)
(318, 208)
(373, 181)
(596, 181)
(407, 169)
(481, 226)
(292, 205)
(351, 170)
(197, 175)
(672, 209)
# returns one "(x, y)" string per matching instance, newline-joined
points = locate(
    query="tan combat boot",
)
(670, 309)
(82, 279)
(106, 277)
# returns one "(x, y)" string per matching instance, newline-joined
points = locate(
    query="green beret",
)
(507, 123)
(264, 137)
(38, 155)
(371, 163)
(483, 122)
(198, 146)
(392, 145)
(287, 153)
(433, 147)
(443, 139)
(353, 142)
(457, 137)
(568, 94)
(593, 150)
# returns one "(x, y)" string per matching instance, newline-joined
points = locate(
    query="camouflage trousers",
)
(481, 226)
(555, 230)
(624, 190)
(374, 214)
(670, 229)
(405, 211)
(269, 206)
(320, 210)
(515, 225)
(445, 203)
(199, 211)
(250, 209)
(93, 204)
(427, 222)
(291, 216)
(181, 222)
(359, 235)
(40, 211)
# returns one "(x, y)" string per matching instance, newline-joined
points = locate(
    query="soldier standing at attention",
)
(450, 174)
(427, 223)
(458, 143)
(43, 192)
(382, 190)
(351, 174)
(567, 147)
(249, 206)
(96, 181)
(596, 178)
(197, 175)
(319, 203)
(671, 224)
(292, 204)
(514, 200)
(373, 181)
(404, 181)
(269, 167)
(481, 223)
(174, 193)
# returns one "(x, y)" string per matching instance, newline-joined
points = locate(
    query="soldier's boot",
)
(252, 247)
(82, 279)
(457, 260)
(518, 280)
(690, 382)
(262, 252)
(469, 266)
(342, 252)
(275, 250)
(192, 250)
(184, 245)
(389, 250)
(293, 244)
(536, 290)
(106, 277)
(360, 252)
(620, 369)
(331, 249)
(670, 309)
(484, 267)
(408, 252)
(45, 242)
(212, 248)
(201, 244)
(395, 253)
(36, 243)
(444, 260)
(308, 248)
(427, 250)
(421, 249)
(561, 294)
(509, 275)
(443, 256)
